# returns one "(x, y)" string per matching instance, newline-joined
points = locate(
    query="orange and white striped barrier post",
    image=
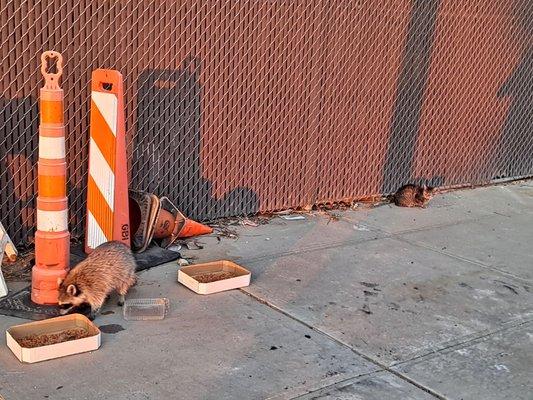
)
(52, 239)
(107, 188)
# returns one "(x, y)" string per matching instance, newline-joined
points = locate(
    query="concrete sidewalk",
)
(385, 303)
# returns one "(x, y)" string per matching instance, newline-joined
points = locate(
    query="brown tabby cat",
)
(413, 196)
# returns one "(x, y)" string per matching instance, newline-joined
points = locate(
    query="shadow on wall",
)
(19, 125)
(412, 81)
(167, 145)
(516, 142)
(19, 140)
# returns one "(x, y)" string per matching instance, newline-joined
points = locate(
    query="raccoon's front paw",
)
(93, 313)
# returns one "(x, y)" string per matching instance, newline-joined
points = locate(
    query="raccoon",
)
(413, 196)
(111, 266)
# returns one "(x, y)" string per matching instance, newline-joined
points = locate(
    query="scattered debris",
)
(108, 312)
(292, 217)
(183, 262)
(229, 233)
(222, 228)
(394, 306)
(308, 336)
(361, 228)
(273, 348)
(332, 216)
(247, 222)
(175, 247)
(465, 285)
(366, 309)
(369, 284)
(20, 269)
(368, 293)
(193, 245)
(501, 367)
(284, 212)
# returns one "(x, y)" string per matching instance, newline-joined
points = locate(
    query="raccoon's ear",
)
(72, 290)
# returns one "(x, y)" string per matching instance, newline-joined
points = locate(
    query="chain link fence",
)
(235, 107)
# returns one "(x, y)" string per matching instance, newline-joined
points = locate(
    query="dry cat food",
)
(213, 277)
(46, 339)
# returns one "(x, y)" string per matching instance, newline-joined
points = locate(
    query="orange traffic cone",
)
(192, 228)
(171, 220)
(154, 218)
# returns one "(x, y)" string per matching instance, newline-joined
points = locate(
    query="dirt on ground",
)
(20, 269)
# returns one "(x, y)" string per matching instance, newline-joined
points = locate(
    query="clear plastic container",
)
(145, 309)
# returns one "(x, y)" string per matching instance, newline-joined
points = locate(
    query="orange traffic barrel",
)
(52, 239)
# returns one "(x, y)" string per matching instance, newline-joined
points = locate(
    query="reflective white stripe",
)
(52, 221)
(101, 173)
(107, 105)
(51, 147)
(95, 235)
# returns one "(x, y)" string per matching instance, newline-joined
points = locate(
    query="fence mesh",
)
(235, 107)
